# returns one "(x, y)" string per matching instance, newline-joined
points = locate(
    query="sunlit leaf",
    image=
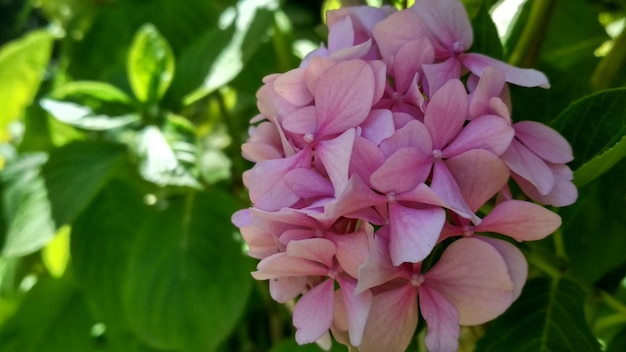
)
(187, 281)
(548, 316)
(22, 65)
(56, 254)
(53, 318)
(150, 64)
(91, 105)
(26, 206)
(596, 128)
(84, 166)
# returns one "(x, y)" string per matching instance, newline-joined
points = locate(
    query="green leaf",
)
(150, 64)
(618, 342)
(22, 65)
(548, 316)
(222, 53)
(188, 280)
(159, 162)
(91, 105)
(292, 346)
(486, 40)
(53, 317)
(26, 206)
(84, 166)
(595, 126)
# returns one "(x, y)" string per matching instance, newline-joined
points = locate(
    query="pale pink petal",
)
(487, 132)
(356, 196)
(354, 52)
(413, 135)
(396, 30)
(490, 85)
(352, 250)
(563, 193)
(479, 174)
(335, 154)
(392, 321)
(524, 77)
(366, 158)
(344, 96)
(292, 87)
(515, 261)
(378, 268)
(261, 243)
(313, 313)
(284, 289)
(357, 308)
(448, 22)
(302, 121)
(437, 75)
(378, 126)
(340, 34)
(283, 265)
(442, 318)
(266, 185)
(446, 113)
(380, 78)
(542, 140)
(316, 67)
(413, 233)
(401, 172)
(445, 186)
(529, 166)
(523, 221)
(319, 250)
(409, 60)
(474, 276)
(307, 183)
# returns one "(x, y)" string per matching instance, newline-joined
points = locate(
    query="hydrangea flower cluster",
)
(380, 188)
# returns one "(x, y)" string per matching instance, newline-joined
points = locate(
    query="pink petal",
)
(335, 154)
(487, 132)
(341, 34)
(357, 308)
(413, 232)
(284, 289)
(515, 261)
(344, 96)
(448, 22)
(302, 121)
(316, 67)
(490, 85)
(409, 60)
(413, 135)
(442, 318)
(523, 221)
(352, 250)
(307, 183)
(283, 265)
(542, 140)
(392, 321)
(529, 166)
(291, 86)
(356, 196)
(313, 313)
(319, 250)
(437, 75)
(446, 113)
(474, 276)
(378, 126)
(445, 186)
(396, 30)
(378, 268)
(366, 158)
(380, 78)
(401, 172)
(479, 174)
(524, 77)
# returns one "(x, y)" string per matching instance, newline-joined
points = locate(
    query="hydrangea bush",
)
(391, 181)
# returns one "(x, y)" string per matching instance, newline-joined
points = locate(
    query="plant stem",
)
(526, 51)
(610, 64)
(612, 302)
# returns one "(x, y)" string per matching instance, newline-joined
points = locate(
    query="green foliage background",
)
(120, 127)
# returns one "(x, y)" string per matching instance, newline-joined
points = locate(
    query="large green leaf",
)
(547, 317)
(596, 128)
(150, 64)
(486, 40)
(187, 280)
(75, 174)
(91, 105)
(22, 65)
(26, 206)
(53, 317)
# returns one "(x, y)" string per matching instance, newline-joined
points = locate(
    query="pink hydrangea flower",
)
(373, 154)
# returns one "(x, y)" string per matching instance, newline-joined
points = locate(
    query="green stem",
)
(610, 64)
(526, 51)
(608, 322)
(612, 302)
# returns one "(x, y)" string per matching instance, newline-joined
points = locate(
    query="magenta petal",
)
(448, 22)
(357, 309)
(284, 289)
(488, 132)
(445, 186)
(523, 221)
(446, 113)
(319, 250)
(413, 232)
(401, 172)
(344, 96)
(515, 261)
(313, 313)
(529, 166)
(473, 275)
(442, 318)
(392, 321)
(480, 175)
(547, 143)
(335, 154)
(524, 77)
(291, 86)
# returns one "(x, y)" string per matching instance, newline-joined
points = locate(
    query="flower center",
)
(417, 279)
(391, 196)
(458, 47)
(437, 154)
(309, 137)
